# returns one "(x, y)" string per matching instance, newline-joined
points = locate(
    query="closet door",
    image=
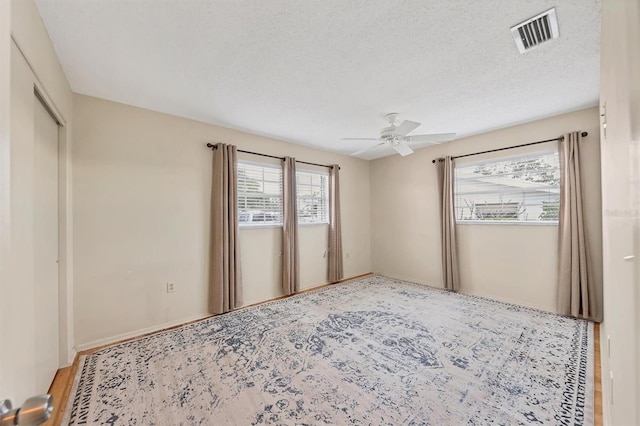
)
(45, 246)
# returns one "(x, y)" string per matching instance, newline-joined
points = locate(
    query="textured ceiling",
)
(315, 71)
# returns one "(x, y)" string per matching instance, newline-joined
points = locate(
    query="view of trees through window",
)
(522, 189)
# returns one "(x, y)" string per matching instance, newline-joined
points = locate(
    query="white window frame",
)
(506, 221)
(248, 225)
(324, 200)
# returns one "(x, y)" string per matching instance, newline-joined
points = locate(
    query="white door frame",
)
(5, 184)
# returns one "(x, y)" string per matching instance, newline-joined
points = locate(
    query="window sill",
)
(259, 226)
(312, 224)
(506, 222)
(300, 225)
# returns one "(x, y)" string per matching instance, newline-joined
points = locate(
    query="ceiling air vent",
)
(535, 31)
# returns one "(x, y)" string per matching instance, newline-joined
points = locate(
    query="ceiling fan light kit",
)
(397, 136)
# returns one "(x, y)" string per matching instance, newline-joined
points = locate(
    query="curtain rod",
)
(583, 134)
(212, 146)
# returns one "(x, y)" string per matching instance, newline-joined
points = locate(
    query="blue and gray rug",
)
(374, 351)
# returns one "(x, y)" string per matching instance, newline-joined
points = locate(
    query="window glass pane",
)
(259, 194)
(519, 189)
(312, 190)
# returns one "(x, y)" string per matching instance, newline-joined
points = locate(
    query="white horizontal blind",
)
(517, 189)
(259, 194)
(313, 197)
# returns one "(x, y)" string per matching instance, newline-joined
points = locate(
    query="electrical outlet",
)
(348, 255)
(608, 346)
(171, 287)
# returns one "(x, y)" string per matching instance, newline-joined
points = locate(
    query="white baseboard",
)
(137, 333)
(510, 301)
(408, 279)
(71, 356)
(471, 293)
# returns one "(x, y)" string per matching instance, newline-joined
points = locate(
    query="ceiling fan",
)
(397, 136)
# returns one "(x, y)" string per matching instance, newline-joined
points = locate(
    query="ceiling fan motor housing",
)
(387, 132)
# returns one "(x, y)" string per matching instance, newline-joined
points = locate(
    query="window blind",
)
(259, 194)
(312, 197)
(518, 189)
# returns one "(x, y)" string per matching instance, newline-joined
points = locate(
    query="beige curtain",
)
(290, 254)
(450, 274)
(225, 286)
(335, 227)
(576, 295)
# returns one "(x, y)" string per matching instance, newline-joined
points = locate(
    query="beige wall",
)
(28, 63)
(620, 92)
(505, 262)
(141, 218)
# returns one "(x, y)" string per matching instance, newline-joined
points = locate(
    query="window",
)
(520, 189)
(259, 194)
(313, 197)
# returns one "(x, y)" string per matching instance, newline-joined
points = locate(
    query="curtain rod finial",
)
(584, 134)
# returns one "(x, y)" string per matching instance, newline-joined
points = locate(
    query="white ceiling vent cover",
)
(535, 31)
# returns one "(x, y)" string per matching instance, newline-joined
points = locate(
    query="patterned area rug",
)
(374, 351)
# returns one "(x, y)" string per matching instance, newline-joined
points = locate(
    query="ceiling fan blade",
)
(359, 139)
(362, 151)
(405, 127)
(435, 137)
(403, 149)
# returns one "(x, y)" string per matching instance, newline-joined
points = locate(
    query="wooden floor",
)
(62, 383)
(60, 389)
(597, 377)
